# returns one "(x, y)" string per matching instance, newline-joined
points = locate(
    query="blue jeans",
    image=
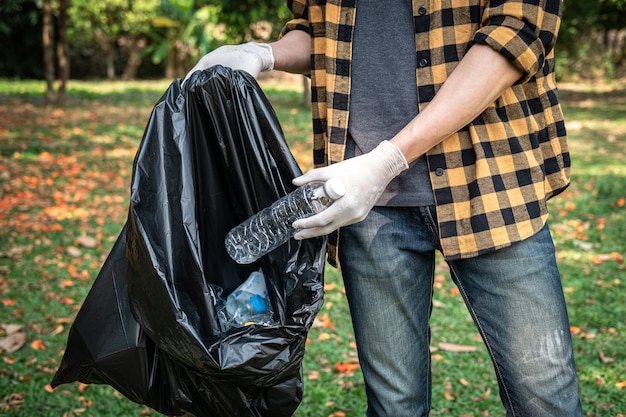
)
(514, 296)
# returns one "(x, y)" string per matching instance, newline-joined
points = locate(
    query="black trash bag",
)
(213, 153)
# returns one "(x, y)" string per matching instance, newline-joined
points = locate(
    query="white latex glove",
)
(365, 177)
(250, 57)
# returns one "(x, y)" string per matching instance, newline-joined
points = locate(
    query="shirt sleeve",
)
(524, 31)
(300, 10)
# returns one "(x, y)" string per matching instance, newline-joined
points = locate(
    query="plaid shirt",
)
(491, 179)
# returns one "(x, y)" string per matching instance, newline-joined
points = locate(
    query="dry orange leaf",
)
(621, 385)
(347, 366)
(323, 337)
(323, 321)
(38, 344)
(8, 361)
(67, 283)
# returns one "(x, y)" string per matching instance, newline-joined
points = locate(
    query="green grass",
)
(64, 175)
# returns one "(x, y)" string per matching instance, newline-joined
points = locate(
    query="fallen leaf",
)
(485, 394)
(323, 321)
(604, 257)
(9, 302)
(451, 347)
(73, 251)
(350, 365)
(323, 337)
(605, 359)
(11, 328)
(621, 385)
(87, 242)
(12, 342)
(313, 375)
(38, 344)
(447, 393)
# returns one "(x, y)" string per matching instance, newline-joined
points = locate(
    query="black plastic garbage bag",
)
(213, 153)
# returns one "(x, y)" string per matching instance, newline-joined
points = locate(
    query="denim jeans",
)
(514, 296)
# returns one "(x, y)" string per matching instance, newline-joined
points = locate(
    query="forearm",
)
(479, 79)
(292, 52)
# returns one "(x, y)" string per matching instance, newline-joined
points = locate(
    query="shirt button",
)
(439, 172)
(422, 63)
(422, 11)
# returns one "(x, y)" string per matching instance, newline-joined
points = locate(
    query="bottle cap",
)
(258, 303)
(335, 188)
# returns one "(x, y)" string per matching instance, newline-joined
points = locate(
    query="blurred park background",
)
(78, 80)
(55, 40)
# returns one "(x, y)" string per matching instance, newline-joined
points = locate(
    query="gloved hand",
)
(365, 177)
(250, 57)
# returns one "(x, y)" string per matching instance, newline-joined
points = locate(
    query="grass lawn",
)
(64, 185)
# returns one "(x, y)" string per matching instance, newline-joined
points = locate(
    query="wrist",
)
(263, 51)
(392, 157)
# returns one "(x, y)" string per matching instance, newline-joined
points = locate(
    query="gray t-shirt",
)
(383, 96)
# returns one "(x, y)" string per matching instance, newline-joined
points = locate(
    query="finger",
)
(316, 174)
(315, 232)
(321, 219)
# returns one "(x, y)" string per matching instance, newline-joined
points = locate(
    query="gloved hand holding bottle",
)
(365, 178)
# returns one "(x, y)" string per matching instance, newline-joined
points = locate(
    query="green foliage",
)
(180, 25)
(591, 41)
(237, 17)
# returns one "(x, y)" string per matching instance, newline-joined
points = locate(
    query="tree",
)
(592, 41)
(49, 44)
(178, 22)
(111, 24)
(187, 30)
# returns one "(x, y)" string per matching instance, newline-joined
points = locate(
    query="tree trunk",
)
(110, 57)
(170, 64)
(62, 53)
(48, 51)
(134, 45)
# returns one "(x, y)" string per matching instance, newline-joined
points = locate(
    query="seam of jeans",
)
(430, 221)
(479, 326)
(428, 390)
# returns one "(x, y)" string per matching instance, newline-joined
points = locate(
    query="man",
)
(443, 121)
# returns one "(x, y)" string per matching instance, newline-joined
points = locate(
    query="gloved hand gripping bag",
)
(212, 154)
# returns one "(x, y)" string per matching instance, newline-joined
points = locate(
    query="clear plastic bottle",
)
(249, 303)
(271, 227)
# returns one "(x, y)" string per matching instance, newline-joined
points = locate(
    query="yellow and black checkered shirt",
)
(491, 179)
